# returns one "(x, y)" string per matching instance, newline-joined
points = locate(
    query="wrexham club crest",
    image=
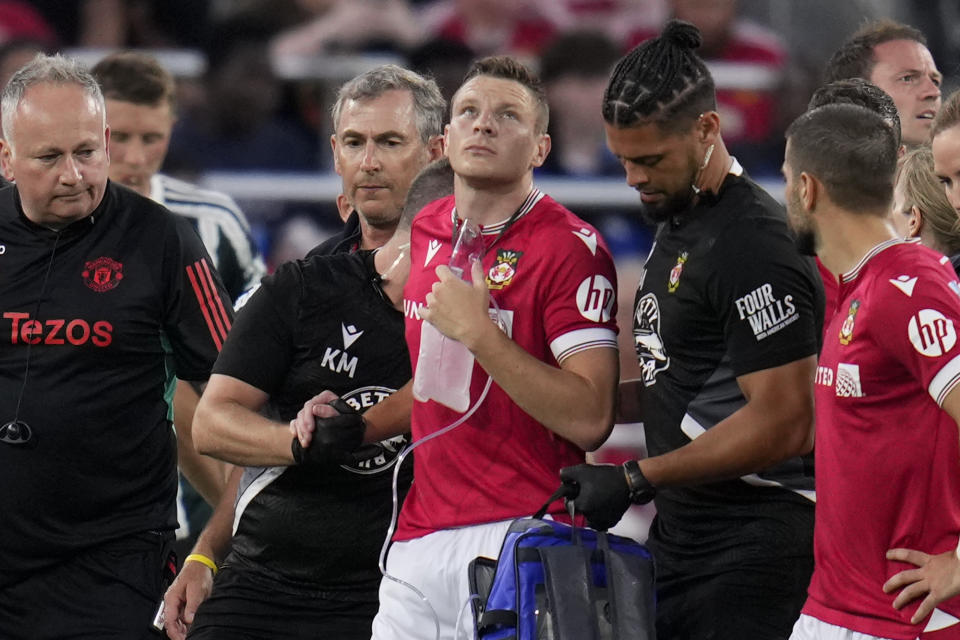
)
(102, 274)
(675, 273)
(846, 329)
(503, 270)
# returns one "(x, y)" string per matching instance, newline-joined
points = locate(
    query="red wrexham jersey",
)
(553, 278)
(888, 465)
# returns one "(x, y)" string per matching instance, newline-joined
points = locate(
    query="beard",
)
(806, 242)
(673, 204)
(800, 225)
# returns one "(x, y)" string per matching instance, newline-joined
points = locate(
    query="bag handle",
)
(564, 491)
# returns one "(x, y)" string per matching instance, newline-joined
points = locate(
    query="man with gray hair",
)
(388, 124)
(104, 297)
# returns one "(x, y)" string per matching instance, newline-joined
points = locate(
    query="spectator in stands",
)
(19, 21)
(86, 23)
(352, 25)
(446, 61)
(237, 126)
(748, 63)
(521, 28)
(575, 69)
(15, 54)
(894, 57)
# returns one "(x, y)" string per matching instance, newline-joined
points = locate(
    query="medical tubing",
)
(396, 499)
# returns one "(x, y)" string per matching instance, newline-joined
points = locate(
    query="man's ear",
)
(542, 151)
(810, 191)
(336, 157)
(435, 147)
(6, 153)
(915, 221)
(708, 127)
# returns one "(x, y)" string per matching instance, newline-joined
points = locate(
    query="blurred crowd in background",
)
(256, 78)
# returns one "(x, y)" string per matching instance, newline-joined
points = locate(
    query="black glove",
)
(334, 438)
(601, 492)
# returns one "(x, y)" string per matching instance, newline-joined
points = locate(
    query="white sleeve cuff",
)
(581, 340)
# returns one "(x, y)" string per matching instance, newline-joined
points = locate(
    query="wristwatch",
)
(641, 491)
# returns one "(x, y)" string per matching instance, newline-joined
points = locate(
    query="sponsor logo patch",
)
(931, 333)
(905, 284)
(375, 457)
(848, 381)
(647, 341)
(102, 274)
(432, 249)
(766, 313)
(595, 298)
(589, 238)
(846, 329)
(350, 334)
(502, 272)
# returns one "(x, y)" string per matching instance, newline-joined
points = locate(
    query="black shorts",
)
(736, 585)
(110, 592)
(243, 606)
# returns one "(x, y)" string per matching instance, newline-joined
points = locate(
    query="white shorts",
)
(810, 628)
(436, 565)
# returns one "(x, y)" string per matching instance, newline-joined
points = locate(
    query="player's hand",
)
(191, 587)
(936, 577)
(600, 492)
(318, 406)
(458, 309)
(334, 438)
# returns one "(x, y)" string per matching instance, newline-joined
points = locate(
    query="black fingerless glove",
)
(334, 438)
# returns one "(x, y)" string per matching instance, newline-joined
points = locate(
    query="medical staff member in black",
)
(727, 324)
(105, 296)
(308, 529)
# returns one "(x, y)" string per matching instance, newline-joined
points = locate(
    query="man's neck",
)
(372, 237)
(392, 262)
(713, 175)
(847, 237)
(487, 204)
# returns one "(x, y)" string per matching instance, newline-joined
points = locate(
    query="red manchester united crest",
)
(102, 274)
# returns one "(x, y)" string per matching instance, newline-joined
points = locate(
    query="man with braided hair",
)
(727, 325)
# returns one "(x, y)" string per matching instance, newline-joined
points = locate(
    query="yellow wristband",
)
(202, 559)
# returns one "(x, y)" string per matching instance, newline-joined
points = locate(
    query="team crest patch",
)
(503, 270)
(102, 274)
(674, 280)
(846, 329)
